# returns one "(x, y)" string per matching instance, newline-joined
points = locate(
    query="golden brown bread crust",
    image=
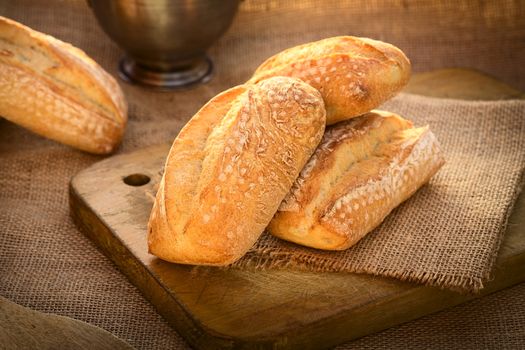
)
(362, 169)
(354, 75)
(229, 169)
(57, 91)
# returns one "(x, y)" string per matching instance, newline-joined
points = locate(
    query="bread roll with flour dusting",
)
(361, 171)
(229, 169)
(57, 91)
(354, 75)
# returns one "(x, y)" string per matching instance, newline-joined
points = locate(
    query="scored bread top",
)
(354, 75)
(56, 90)
(343, 146)
(362, 169)
(229, 169)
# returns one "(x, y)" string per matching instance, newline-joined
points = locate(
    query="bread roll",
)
(57, 91)
(229, 169)
(363, 168)
(354, 75)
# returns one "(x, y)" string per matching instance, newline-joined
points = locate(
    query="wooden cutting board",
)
(218, 308)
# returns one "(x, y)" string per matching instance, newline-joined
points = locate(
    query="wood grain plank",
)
(219, 308)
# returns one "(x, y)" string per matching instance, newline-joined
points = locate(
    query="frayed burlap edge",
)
(259, 259)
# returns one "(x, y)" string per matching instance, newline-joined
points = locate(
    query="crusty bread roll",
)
(363, 168)
(57, 91)
(229, 169)
(354, 75)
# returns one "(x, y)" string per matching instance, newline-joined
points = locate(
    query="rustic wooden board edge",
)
(93, 227)
(430, 84)
(25, 328)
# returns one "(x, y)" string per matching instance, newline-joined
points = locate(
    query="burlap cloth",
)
(46, 264)
(448, 233)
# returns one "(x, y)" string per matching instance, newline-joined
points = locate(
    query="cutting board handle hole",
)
(136, 180)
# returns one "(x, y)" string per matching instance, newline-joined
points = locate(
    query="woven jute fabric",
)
(448, 233)
(48, 265)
